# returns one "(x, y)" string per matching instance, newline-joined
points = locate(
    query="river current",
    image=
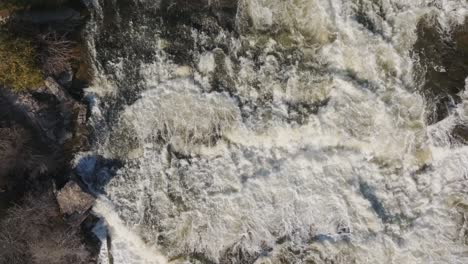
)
(272, 131)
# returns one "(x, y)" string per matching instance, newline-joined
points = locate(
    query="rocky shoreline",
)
(44, 209)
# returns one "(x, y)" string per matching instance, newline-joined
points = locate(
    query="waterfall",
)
(272, 131)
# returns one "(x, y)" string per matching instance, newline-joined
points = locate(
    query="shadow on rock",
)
(96, 171)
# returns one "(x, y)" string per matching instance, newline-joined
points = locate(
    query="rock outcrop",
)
(51, 111)
(74, 203)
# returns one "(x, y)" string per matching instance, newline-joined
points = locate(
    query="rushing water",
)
(273, 131)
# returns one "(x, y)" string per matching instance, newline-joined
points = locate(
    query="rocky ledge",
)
(44, 211)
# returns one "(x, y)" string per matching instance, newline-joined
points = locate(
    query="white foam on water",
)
(125, 245)
(363, 179)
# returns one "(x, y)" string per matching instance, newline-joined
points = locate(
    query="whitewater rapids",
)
(302, 138)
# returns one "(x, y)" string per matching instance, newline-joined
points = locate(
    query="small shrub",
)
(56, 53)
(18, 69)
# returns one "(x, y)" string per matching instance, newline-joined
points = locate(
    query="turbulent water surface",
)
(274, 131)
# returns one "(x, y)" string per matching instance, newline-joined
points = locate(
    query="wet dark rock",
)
(65, 79)
(179, 17)
(96, 171)
(88, 228)
(116, 32)
(222, 80)
(231, 4)
(81, 114)
(206, 23)
(115, 26)
(367, 18)
(82, 75)
(181, 43)
(444, 66)
(200, 258)
(225, 11)
(73, 112)
(460, 132)
(299, 112)
(186, 6)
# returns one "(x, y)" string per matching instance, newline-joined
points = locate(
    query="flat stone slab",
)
(73, 200)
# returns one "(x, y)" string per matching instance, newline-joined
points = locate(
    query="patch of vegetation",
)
(34, 232)
(18, 69)
(56, 52)
(31, 51)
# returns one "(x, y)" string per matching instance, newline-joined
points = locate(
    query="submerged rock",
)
(460, 132)
(443, 59)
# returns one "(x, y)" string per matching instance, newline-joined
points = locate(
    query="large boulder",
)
(74, 203)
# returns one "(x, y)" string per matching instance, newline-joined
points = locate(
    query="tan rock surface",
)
(72, 199)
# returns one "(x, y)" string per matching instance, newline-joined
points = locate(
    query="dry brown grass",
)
(56, 52)
(34, 232)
